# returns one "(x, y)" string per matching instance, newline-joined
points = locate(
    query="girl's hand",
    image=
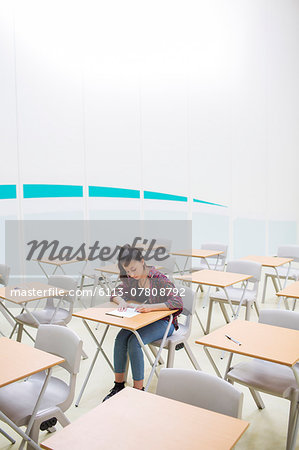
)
(122, 305)
(144, 309)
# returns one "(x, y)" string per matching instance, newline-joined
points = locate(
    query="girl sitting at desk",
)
(155, 292)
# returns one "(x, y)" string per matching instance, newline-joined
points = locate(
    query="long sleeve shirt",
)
(161, 290)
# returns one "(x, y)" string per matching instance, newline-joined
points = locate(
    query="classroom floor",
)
(267, 430)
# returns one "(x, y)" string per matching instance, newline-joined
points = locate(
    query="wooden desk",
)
(197, 253)
(161, 423)
(25, 293)
(57, 264)
(270, 343)
(214, 278)
(258, 340)
(291, 291)
(268, 261)
(19, 361)
(133, 324)
(273, 262)
(220, 280)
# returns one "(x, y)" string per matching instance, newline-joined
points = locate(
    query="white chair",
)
(215, 262)
(286, 251)
(17, 400)
(272, 378)
(95, 276)
(51, 313)
(179, 338)
(237, 295)
(4, 277)
(200, 389)
(167, 266)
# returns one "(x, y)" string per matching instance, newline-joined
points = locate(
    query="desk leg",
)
(35, 410)
(41, 266)
(98, 350)
(212, 362)
(206, 298)
(154, 365)
(282, 287)
(293, 416)
(18, 431)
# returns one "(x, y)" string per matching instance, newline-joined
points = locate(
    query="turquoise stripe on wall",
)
(161, 196)
(51, 190)
(103, 191)
(8, 191)
(208, 203)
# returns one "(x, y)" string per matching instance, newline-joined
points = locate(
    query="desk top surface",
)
(291, 291)
(98, 314)
(268, 261)
(197, 253)
(258, 340)
(214, 278)
(18, 360)
(58, 262)
(134, 419)
(27, 292)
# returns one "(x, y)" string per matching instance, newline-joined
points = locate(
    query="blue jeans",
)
(127, 343)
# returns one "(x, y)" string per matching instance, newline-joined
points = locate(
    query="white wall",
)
(197, 99)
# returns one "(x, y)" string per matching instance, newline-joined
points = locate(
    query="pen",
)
(138, 306)
(232, 339)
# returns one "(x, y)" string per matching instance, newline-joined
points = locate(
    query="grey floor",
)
(267, 428)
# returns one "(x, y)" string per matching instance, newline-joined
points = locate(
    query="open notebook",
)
(130, 312)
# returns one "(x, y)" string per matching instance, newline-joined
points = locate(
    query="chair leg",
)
(224, 312)
(20, 332)
(248, 310)
(209, 316)
(256, 308)
(275, 284)
(200, 322)
(191, 356)
(294, 304)
(292, 424)
(257, 398)
(155, 352)
(170, 357)
(264, 290)
(7, 436)
(295, 430)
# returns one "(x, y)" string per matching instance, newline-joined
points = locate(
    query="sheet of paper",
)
(130, 312)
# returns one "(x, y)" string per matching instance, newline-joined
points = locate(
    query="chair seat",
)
(45, 316)
(265, 376)
(17, 400)
(177, 336)
(282, 272)
(235, 294)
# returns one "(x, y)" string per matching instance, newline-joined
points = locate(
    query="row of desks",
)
(214, 431)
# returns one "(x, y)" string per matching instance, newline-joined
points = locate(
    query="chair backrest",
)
(200, 389)
(280, 318)
(289, 251)
(166, 266)
(166, 243)
(63, 282)
(247, 268)
(61, 341)
(217, 246)
(4, 274)
(64, 342)
(189, 303)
